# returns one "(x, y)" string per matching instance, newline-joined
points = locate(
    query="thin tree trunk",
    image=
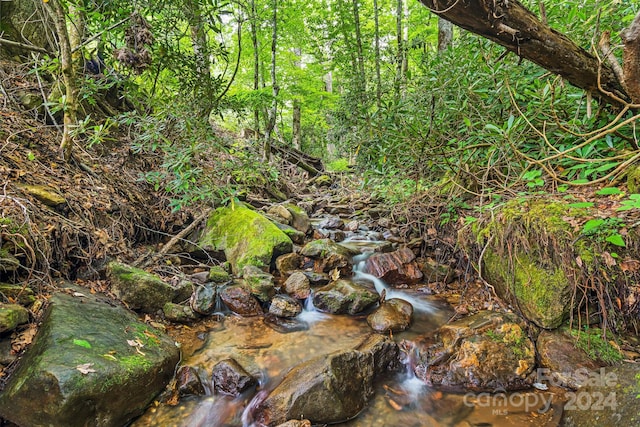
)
(256, 65)
(297, 134)
(400, 48)
(70, 118)
(445, 34)
(273, 111)
(513, 26)
(356, 21)
(376, 18)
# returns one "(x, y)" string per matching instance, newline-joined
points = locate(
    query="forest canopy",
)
(516, 93)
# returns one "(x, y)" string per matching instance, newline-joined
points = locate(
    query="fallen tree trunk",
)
(510, 24)
(296, 157)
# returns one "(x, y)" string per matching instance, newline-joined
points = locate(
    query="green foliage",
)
(633, 202)
(338, 165)
(592, 341)
(604, 230)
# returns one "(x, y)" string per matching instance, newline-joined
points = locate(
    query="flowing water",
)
(401, 400)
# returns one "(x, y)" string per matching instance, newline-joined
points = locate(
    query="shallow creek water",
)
(400, 400)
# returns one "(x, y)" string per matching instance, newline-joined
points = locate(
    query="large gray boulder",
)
(331, 388)
(91, 364)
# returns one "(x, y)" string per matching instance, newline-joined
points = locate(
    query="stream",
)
(400, 399)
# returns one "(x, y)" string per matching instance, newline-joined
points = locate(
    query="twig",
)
(90, 39)
(143, 261)
(24, 46)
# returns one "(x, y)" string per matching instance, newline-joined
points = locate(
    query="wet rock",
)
(240, 301)
(297, 285)
(183, 291)
(300, 220)
(328, 389)
(285, 325)
(436, 272)
(280, 213)
(204, 298)
(385, 352)
(483, 352)
(344, 296)
(230, 378)
(288, 263)
(328, 255)
(11, 316)
(245, 236)
(138, 289)
(200, 277)
(218, 274)
(285, 306)
(331, 222)
(393, 315)
(296, 236)
(340, 209)
(65, 379)
(351, 226)
(559, 354)
(188, 382)
(610, 398)
(394, 267)
(296, 423)
(178, 313)
(259, 283)
(317, 279)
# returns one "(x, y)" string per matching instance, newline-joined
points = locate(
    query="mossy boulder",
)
(16, 293)
(300, 220)
(139, 289)
(218, 274)
(542, 294)
(11, 316)
(328, 255)
(344, 297)
(529, 257)
(245, 236)
(91, 363)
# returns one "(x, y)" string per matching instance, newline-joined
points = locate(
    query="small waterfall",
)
(359, 274)
(309, 313)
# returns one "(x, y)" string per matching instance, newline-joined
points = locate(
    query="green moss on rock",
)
(139, 289)
(245, 236)
(12, 315)
(542, 294)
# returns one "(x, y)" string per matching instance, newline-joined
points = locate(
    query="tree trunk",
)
(273, 111)
(445, 34)
(631, 64)
(376, 18)
(356, 21)
(71, 107)
(510, 24)
(400, 51)
(256, 65)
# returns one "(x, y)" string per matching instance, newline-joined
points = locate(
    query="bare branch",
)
(29, 47)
